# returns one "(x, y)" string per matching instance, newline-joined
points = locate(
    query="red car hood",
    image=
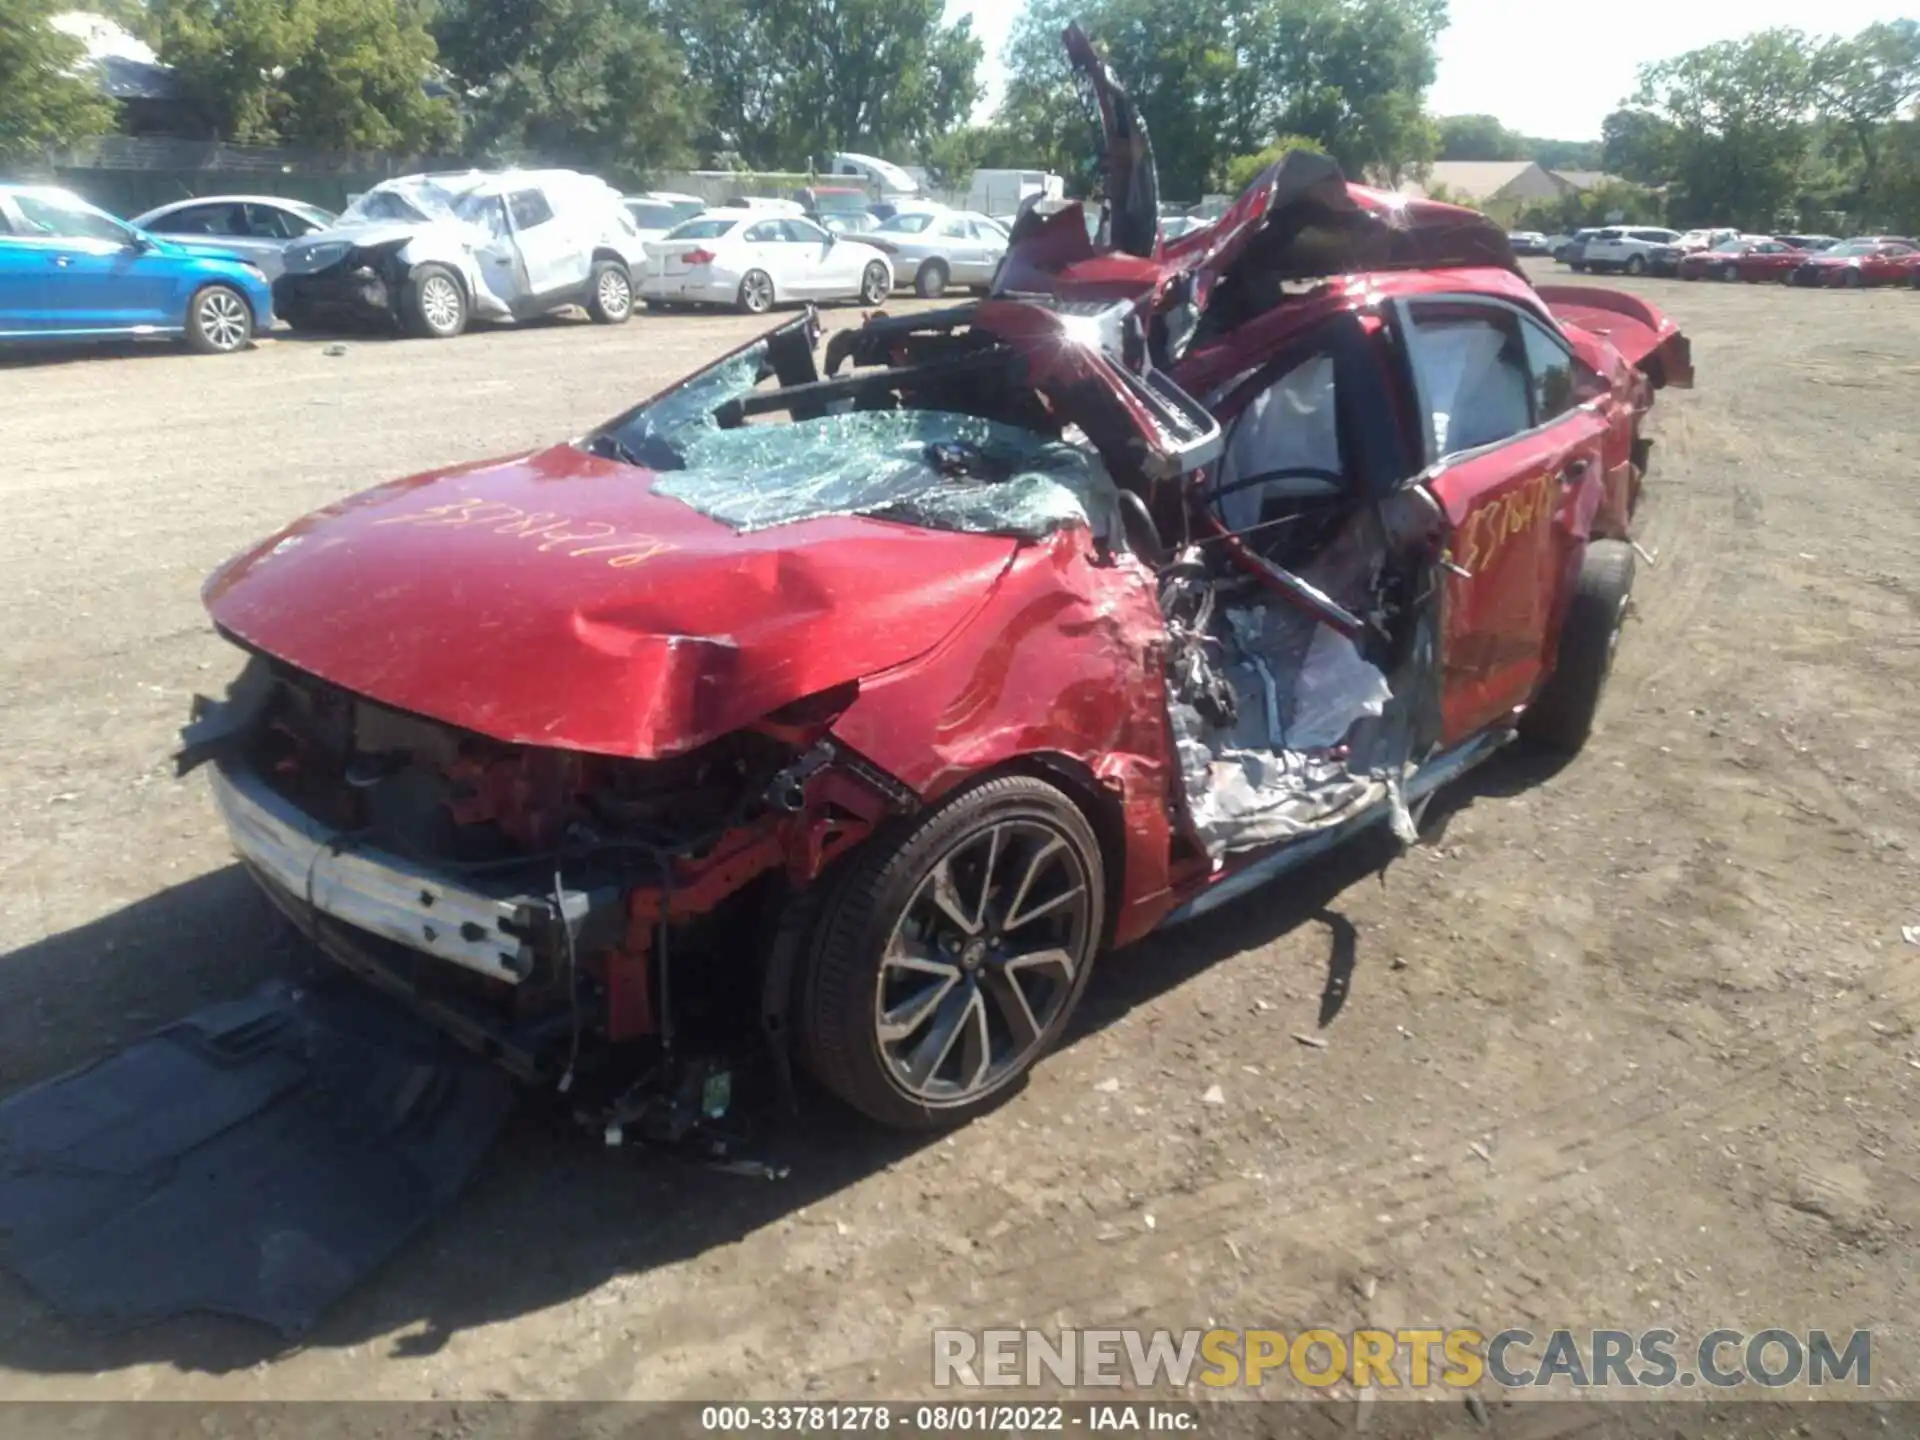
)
(554, 600)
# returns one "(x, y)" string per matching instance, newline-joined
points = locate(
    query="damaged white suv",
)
(429, 253)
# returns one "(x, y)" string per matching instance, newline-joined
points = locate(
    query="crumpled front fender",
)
(1066, 660)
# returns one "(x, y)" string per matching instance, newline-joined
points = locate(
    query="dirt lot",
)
(1628, 1044)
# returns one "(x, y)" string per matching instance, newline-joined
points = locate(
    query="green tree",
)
(1864, 84)
(1215, 78)
(1637, 145)
(1478, 137)
(1737, 112)
(1563, 154)
(582, 83)
(330, 74)
(43, 103)
(790, 81)
(1242, 170)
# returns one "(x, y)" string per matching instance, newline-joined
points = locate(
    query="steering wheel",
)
(1289, 472)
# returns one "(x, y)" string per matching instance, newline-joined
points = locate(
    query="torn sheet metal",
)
(1274, 773)
(933, 468)
(257, 1158)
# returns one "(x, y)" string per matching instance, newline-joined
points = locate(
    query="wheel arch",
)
(410, 270)
(607, 252)
(1075, 779)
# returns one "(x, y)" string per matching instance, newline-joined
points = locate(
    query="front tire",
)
(1637, 265)
(1853, 280)
(875, 284)
(950, 958)
(931, 282)
(433, 306)
(609, 293)
(1561, 717)
(1579, 267)
(219, 321)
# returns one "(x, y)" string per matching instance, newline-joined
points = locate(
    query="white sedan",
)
(755, 261)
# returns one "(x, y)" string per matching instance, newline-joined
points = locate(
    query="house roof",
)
(1476, 179)
(1587, 179)
(126, 65)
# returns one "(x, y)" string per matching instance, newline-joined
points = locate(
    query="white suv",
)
(430, 252)
(1625, 247)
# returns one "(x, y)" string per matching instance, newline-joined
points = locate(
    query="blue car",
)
(70, 271)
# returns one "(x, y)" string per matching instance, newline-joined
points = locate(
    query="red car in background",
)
(1871, 260)
(847, 706)
(1747, 257)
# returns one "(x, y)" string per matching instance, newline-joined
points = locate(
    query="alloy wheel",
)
(223, 320)
(982, 960)
(615, 292)
(440, 303)
(756, 292)
(873, 288)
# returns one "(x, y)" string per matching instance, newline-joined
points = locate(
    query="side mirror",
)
(138, 242)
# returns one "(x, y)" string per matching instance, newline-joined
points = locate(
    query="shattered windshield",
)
(382, 205)
(934, 468)
(416, 199)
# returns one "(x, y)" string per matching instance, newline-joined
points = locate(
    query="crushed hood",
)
(554, 599)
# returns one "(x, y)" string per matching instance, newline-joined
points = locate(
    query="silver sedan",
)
(257, 228)
(933, 249)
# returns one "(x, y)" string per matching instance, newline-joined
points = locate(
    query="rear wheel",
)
(433, 306)
(756, 292)
(931, 282)
(609, 293)
(1724, 273)
(219, 321)
(1579, 266)
(1561, 717)
(951, 958)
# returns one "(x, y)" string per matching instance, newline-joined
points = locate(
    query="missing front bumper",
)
(495, 929)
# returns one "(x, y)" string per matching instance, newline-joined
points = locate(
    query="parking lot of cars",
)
(1678, 956)
(713, 718)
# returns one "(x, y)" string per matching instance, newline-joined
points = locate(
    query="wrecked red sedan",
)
(855, 701)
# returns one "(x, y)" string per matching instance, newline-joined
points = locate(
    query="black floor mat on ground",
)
(257, 1158)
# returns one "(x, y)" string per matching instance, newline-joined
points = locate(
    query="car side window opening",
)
(766, 232)
(529, 209)
(65, 222)
(803, 232)
(1291, 431)
(196, 220)
(1554, 372)
(271, 223)
(1473, 368)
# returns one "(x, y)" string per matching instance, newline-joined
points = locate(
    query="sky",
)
(1552, 70)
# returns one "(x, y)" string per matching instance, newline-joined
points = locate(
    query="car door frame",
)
(1518, 512)
(547, 280)
(833, 271)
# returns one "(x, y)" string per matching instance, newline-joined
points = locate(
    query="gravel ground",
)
(1626, 1044)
